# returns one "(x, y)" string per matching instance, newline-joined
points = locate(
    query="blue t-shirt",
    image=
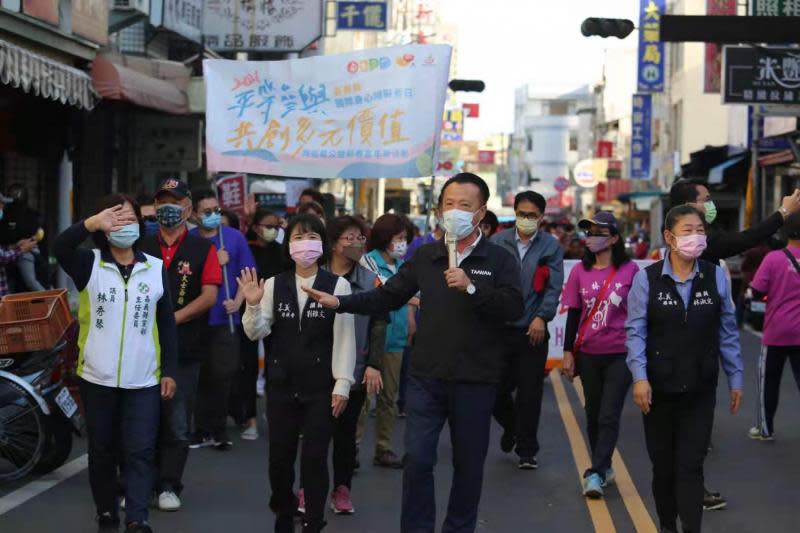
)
(240, 258)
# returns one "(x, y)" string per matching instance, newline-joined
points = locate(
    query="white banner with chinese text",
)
(367, 114)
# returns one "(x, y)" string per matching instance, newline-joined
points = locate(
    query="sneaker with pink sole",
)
(341, 502)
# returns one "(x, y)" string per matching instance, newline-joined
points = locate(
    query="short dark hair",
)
(491, 219)
(98, 237)
(533, 197)
(619, 256)
(339, 225)
(467, 177)
(677, 213)
(386, 227)
(307, 223)
(199, 195)
(684, 191)
(313, 193)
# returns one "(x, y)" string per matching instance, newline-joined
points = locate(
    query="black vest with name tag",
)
(185, 275)
(683, 342)
(301, 348)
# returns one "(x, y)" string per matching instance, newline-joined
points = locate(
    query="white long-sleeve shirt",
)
(258, 319)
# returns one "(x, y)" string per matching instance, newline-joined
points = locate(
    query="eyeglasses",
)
(214, 211)
(529, 216)
(597, 234)
(352, 238)
(268, 226)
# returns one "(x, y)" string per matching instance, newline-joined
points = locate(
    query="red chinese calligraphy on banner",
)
(232, 193)
(712, 75)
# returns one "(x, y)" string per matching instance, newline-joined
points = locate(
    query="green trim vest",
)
(683, 342)
(118, 341)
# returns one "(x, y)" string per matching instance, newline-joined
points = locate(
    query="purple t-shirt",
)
(605, 334)
(778, 279)
(241, 257)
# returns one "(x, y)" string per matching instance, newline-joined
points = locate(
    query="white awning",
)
(41, 76)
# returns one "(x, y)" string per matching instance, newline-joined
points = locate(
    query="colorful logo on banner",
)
(320, 117)
(641, 136)
(651, 49)
(363, 16)
(486, 157)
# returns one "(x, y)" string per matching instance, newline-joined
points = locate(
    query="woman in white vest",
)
(128, 354)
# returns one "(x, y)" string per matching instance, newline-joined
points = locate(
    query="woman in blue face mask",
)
(128, 353)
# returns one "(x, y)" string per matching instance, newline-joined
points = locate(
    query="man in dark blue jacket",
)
(458, 356)
(541, 276)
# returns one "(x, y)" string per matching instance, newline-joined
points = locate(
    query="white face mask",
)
(398, 250)
(269, 234)
(458, 223)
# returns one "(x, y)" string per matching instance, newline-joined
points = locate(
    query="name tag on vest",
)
(666, 299)
(285, 310)
(475, 272)
(315, 310)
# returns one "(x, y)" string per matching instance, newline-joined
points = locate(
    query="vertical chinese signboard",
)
(365, 114)
(651, 49)
(362, 16)
(232, 193)
(641, 136)
(775, 8)
(712, 78)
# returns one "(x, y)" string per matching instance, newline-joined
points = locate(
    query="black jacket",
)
(724, 244)
(459, 337)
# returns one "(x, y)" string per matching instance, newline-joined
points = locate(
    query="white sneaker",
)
(168, 501)
(251, 433)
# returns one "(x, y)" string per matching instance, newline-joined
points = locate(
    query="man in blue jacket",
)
(541, 276)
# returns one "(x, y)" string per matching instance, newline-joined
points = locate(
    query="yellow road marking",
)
(640, 517)
(598, 510)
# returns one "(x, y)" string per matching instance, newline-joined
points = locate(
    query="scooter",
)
(38, 413)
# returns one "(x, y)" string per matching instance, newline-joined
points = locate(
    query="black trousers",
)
(217, 376)
(606, 380)
(344, 438)
(288, 417)
(175, 428)
(677, 431)
(122, 425)
(770, 372)
(243, 392)
(467, 408)
(525, 374)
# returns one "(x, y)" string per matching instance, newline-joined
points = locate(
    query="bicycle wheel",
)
(22, 431)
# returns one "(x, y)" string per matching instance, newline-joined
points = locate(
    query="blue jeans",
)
(123, 420)
(467, 407)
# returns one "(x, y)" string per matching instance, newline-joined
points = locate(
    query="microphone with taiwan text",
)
(450, 241)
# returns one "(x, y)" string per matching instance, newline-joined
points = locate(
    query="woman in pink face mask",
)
(681, 326)
(309, 369)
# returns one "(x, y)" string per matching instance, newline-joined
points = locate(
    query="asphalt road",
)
(228, 491)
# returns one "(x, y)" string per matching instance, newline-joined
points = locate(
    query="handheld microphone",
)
(450, 240)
